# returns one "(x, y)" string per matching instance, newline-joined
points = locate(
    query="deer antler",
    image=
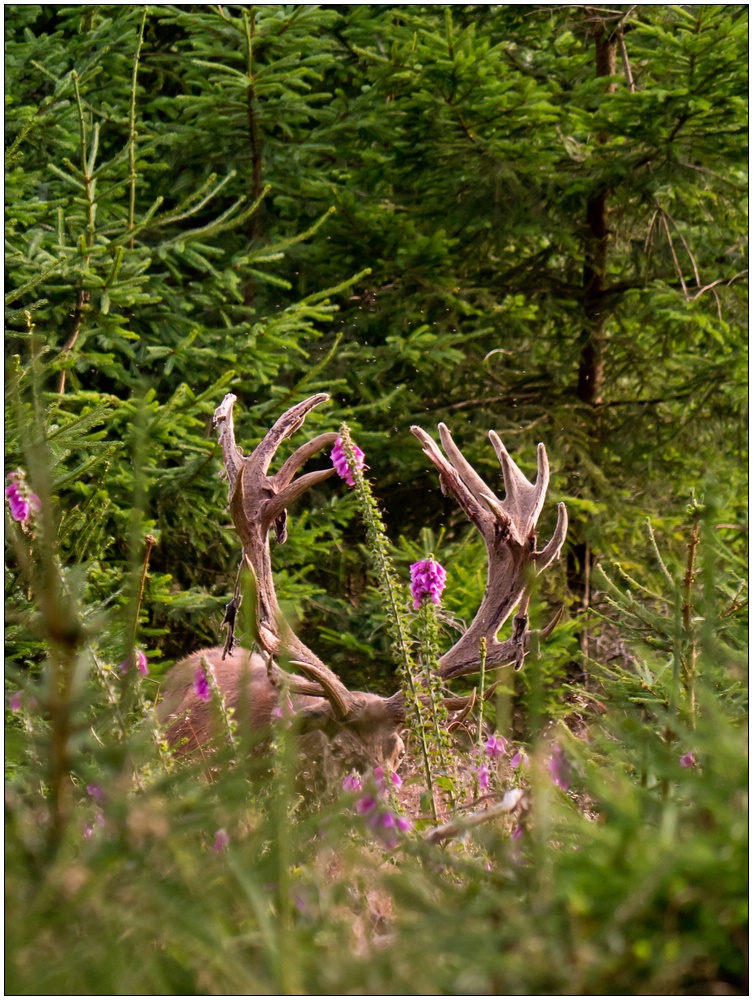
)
(508, 528)
(259, 501)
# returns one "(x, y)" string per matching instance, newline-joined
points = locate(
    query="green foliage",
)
(531, 219)
(632, 878)
(458, 151)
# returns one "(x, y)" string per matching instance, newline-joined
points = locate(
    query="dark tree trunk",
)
(591, 368)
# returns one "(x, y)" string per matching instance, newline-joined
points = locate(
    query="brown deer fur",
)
(368, 739)
(354, 729)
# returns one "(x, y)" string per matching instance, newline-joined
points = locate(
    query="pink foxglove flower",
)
(201, 686)
(381, 821)
(387, 826)
(427, 579)
(396, 779)
(221, 840)
(518, 759)
(688, 759)
(22, 502)
(483, 776)
(142, 664)
(340, 461)
(559, 769)
(15, 701)
(352, 783)
(88, 829)
(496, 746)
(96, 793)
(19, 508)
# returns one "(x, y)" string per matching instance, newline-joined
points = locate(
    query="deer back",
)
(242, 677)
(329, 746)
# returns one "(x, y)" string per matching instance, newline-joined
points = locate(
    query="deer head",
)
(360, 729)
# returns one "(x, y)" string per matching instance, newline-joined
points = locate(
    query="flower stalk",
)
(397, 623)
(481, 683)
(430, 683)
(219, 696)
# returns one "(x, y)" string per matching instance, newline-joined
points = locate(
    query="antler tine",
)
(553, 548)
(302, 455)
(323, 685)
(471, 478)
(465, 704)
(231, 453)
(277, 506)
(508, 529)
(334, 690)
(257, 501)
(550, 627)
(287, 491)
(295, 685)
(451, 481)
(291, 421)
(523, 500)
(321, 681)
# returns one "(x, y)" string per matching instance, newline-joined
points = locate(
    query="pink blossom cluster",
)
(89, 828)
(559, 769)
(427, 579)
(352, 783)
(497, 746)
(142, 664)
(340, 461)
(98, 795)
(201, 686)
(383, 822)
(22, 502)
(221, 841)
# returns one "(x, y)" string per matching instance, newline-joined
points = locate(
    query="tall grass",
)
(129, 874)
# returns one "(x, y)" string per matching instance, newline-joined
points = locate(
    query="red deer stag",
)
(358, 729)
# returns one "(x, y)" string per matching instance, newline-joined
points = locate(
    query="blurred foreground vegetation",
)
(524, 218)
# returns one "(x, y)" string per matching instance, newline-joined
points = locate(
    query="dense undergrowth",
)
(400, 206)
(622, 868)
